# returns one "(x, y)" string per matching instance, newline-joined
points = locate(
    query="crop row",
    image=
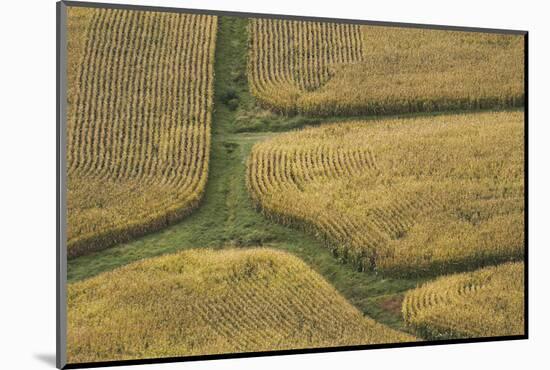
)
(206, 302)
(404, 197)
(138, 134)
(327, 69)
(484, 303)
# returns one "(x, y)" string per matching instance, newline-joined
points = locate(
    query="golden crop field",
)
(139, 114)
(405, 202)
(203, 302)
(483, 303)
(404, 197)
(326, 69)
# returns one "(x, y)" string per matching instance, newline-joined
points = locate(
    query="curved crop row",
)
(323, 69)
(288, 58)
(483, 303)
(419, 196)
(138, 135)
(201, 302)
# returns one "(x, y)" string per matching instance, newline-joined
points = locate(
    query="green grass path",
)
(226, 217)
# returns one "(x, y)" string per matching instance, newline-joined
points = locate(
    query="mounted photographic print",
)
(236, 184)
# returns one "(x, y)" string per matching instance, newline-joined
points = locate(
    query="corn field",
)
(483, 303)
(205, 302)
(327, 69)
(139, 116)
(403, 197)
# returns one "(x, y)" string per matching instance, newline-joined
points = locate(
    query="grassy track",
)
(227, 218)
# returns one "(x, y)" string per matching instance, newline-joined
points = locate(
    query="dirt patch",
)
(392, 304)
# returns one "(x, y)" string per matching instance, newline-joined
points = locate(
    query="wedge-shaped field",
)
(321, 69)
(139, 112)
(409, 197)
(484, 303)
(203, 302)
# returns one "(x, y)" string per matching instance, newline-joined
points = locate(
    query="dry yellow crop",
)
(414, 196)
(201, 302)
(484, 303)
(139, 112)
(340, 69)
